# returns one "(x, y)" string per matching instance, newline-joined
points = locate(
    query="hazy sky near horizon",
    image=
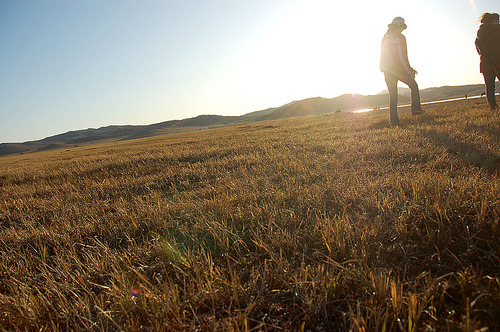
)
(76, 64)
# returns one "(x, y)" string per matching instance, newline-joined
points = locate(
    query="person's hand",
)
(413, 73)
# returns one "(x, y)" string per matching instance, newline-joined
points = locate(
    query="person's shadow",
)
(469, 152)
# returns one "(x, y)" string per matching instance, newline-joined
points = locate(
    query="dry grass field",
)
(327, 223)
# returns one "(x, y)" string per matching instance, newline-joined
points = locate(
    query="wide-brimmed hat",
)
(398, 22)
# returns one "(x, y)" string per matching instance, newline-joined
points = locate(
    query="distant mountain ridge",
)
(305, 107)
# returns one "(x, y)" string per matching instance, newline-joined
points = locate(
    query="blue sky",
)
(76, 64)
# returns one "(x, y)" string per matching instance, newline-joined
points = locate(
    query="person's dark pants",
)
(392, 85)
(489, 81)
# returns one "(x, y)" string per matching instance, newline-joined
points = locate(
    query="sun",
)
(314, 49)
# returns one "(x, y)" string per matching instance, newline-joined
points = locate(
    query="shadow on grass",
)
(490, 130)
(408, 121)
(470, 153)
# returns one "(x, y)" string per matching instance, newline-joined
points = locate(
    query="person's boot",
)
(395, 122)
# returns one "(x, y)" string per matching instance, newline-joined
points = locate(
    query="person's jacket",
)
(488, 47)
(394, 55)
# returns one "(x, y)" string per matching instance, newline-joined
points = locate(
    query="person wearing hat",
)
(396, 67)
(488, 47)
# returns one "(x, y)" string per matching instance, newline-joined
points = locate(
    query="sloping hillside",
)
(306, 107)
(338, 222)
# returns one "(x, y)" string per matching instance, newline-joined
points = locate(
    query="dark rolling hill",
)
(306, 107)
(116, 133)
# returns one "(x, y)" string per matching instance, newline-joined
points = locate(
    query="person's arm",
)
(481, 41)
(496, 46)
(478, 46)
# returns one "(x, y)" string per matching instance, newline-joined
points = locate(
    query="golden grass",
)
(335, 222)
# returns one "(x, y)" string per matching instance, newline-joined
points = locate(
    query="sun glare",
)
(326, 49)
(317, 50)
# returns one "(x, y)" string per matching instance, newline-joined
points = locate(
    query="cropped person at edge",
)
(396, 67)
(488, 47)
